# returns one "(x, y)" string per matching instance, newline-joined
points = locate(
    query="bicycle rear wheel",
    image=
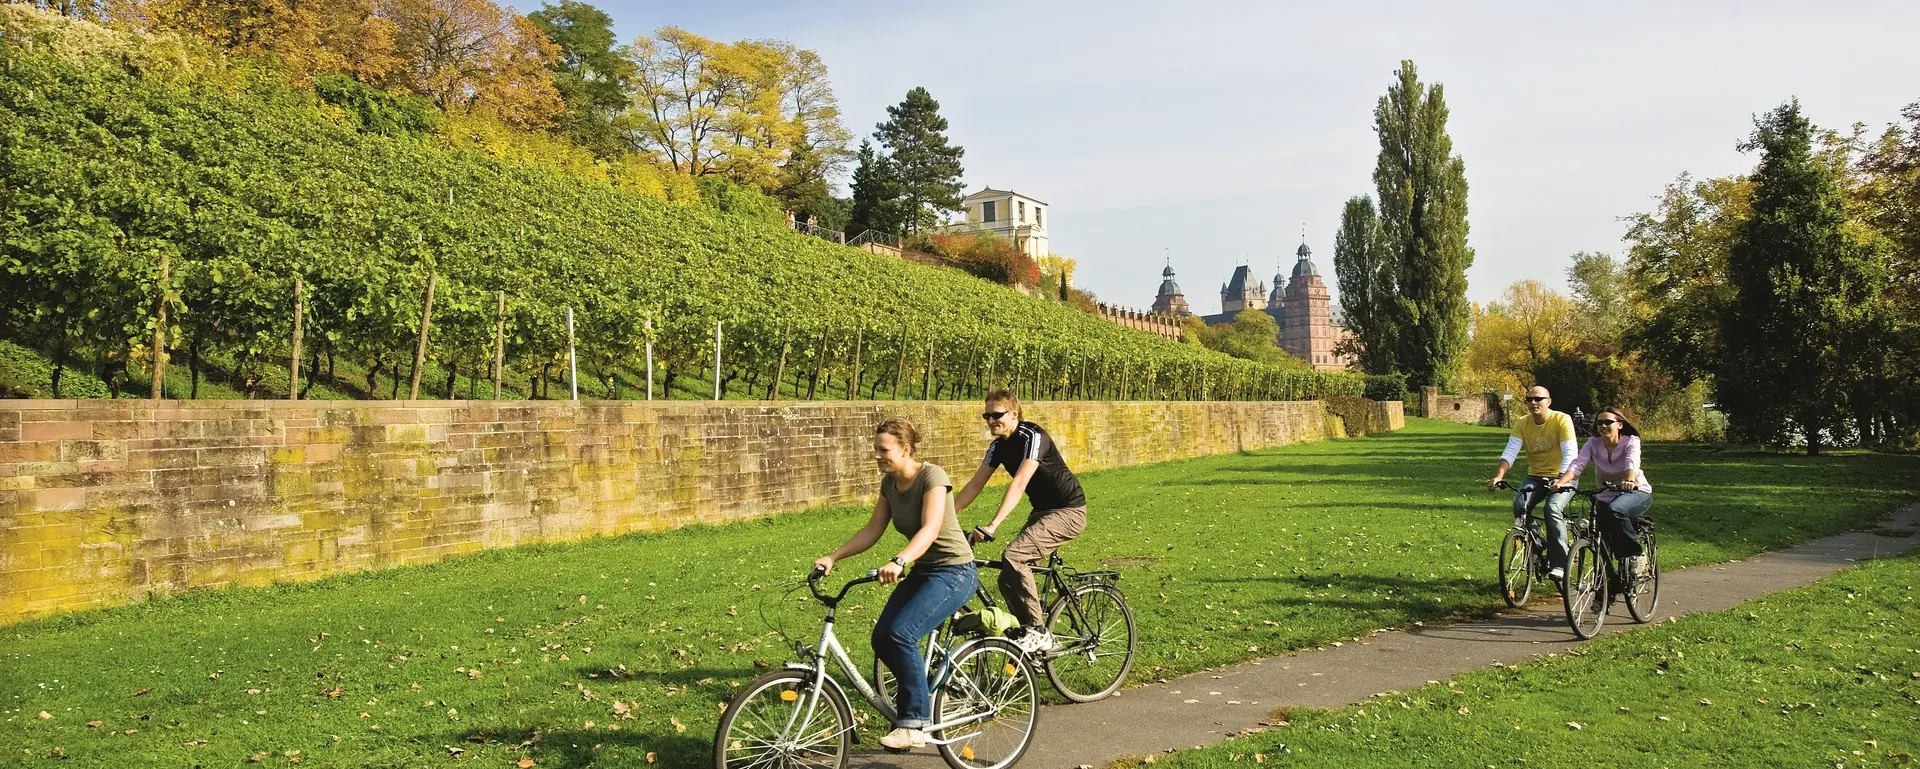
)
(1643, 593)
(988, 676)
(776, 722)
(1586, 589)
(1097, 643)
(1516, 568)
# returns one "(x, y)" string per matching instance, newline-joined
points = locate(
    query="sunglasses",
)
(1537, 398)
(992, 415)
(1606, 422)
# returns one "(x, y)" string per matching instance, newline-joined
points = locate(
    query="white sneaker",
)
(1036, 641)
(1556, 573)
(904, 739)
(1638, 567)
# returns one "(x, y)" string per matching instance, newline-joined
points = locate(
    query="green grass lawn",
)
(602, 652)
(1825, 675)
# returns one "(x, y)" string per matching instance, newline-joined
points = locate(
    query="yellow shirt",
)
(1541, 442)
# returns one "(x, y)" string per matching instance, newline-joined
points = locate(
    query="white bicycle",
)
(984, 701)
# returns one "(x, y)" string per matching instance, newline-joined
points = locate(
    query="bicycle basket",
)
(992, 621)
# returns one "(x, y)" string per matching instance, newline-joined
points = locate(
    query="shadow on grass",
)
(1412, 597)
(575, 747)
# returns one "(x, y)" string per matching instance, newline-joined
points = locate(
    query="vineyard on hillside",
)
(128, 182)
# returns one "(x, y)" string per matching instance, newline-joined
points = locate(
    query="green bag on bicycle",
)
(992, 621)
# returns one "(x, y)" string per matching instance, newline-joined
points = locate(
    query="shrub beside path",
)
(1213, 705)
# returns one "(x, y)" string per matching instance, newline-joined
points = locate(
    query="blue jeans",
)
(924, 599)
(1616, 521)
(1531, 493)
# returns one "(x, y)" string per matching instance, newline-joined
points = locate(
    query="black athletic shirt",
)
(1053, 486)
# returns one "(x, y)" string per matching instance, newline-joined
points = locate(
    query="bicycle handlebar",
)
(813, 584)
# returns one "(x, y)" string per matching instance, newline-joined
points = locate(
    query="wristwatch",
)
(901, 561)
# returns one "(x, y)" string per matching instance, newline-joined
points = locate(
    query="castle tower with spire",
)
(1306, 330)
(1170, 301)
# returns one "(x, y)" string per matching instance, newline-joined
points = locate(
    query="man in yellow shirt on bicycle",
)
(1547, 437)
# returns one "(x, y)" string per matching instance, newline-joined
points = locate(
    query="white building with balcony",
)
(1008, 214)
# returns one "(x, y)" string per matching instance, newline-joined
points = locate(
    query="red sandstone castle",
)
(1308, 329)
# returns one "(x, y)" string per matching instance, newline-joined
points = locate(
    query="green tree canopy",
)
(1364, 271)
(1804, 289)
(591, 75)
(1422, 191)
(928, 164)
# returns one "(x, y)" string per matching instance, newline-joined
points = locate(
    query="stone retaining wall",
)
(106, 502)
(1480, 409)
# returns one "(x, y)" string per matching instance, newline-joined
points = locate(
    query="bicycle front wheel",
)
(1643, 593)
(990, 679)
(1097, 640)
(776, 721)
(1586, 590)
(1516, 568)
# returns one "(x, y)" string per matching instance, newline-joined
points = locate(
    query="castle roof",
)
(1304, 267)
(1167, 286)
(1242, 282)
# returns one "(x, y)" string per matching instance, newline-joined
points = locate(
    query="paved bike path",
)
(1209, 706)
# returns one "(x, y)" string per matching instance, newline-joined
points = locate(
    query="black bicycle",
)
(1089, 619)
(1523, 556)
(1595, 575)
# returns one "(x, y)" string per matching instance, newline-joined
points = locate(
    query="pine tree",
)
(1422, 191)
(1804, 289)
(876, 194)
(929, 167)
(1361, 265)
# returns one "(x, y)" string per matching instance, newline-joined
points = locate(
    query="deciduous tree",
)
(1422, 191)
(1361, 265)
(474, 56)
(589, 73)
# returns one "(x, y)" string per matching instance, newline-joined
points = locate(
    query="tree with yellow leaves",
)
(309, 37)
(474, 56)
(1527, 327)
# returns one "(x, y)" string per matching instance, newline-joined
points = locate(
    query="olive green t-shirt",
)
(948, 549)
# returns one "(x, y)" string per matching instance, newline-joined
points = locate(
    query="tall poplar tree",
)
(1805, 287)
(1361, 266)
(929, 166)
(1422, 191)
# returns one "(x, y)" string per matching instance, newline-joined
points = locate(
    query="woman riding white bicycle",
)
(917, 499)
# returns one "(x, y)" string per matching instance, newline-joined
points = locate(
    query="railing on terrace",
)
(875, 237)
(806, 228)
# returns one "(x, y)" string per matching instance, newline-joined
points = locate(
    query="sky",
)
(1214, 134)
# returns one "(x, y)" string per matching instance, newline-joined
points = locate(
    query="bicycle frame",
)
(830, 648)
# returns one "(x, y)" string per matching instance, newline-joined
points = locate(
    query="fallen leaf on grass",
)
(1574, 725)
(143, 691)
(44, 715)
(652, 756)
(527, 763)
(93, 724)
(454, 751)
(334, 692)
(257, 757)
(678, 727)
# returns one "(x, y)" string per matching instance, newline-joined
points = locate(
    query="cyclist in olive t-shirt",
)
(1547, 438)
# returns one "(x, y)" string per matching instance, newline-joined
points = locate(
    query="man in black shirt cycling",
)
(1059, 514)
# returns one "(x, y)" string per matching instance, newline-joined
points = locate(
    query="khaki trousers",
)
(1045, 532)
